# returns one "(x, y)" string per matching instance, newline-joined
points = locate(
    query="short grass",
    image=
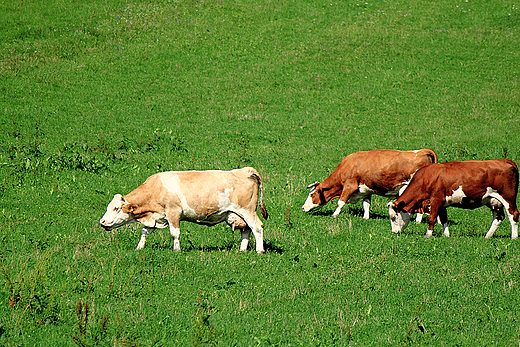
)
(98, 95)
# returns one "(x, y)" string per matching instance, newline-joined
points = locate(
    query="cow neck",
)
(141, 195)
(331, 186)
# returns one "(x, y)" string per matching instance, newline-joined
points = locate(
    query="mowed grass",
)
(98, 95)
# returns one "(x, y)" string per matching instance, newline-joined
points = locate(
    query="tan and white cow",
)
(202, 197)
(465, 184)
(359, 175)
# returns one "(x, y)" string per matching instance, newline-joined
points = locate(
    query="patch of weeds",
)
(89, 337)
(162, 140)
(78, 156)
(203, 331)
(31, 301)
(415, 329)
(21, 149)
(244, 157)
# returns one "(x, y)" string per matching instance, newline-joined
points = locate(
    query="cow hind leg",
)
(498, 217)
(259, 237)
(256, 225)
(245, 233)
(248, 222)
(176, 235)
(443, 220)
(175, 230)
(366, 207)
(513, 219)
(512, 213)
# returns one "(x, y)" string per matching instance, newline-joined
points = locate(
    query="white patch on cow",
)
(491, 196)
(403, 188)
(172, 184)
(362, 192)
(455, 198)
(223, 198)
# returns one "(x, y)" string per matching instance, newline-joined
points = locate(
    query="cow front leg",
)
(498, 217)
(338, 209)
(144, 233)
(175, 232)
(432, 217)
(348, 190)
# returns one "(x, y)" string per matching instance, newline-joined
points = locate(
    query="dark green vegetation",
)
(95, 96)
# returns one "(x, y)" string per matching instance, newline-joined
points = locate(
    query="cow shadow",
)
(350, 211)
(189, 246)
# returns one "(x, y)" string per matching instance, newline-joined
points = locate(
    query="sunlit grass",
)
(97, 96)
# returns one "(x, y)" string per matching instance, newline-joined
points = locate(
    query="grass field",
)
(95, 96)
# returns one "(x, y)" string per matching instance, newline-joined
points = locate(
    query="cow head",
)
(119, 213)
(315, 200)
(398, 219)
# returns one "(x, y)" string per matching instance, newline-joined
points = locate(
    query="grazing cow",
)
(464, 184)
(202, 197)
(359, 175)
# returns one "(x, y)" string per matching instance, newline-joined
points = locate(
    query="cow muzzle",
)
(102, 222)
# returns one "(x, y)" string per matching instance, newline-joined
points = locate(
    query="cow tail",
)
(263, 210)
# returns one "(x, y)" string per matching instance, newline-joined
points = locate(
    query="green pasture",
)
(95, 96)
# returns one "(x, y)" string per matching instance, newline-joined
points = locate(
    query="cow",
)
(359, 175)
(202, 197)
(464, 184)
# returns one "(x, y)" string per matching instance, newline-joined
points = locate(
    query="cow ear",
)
(127, 207)
(313, 185)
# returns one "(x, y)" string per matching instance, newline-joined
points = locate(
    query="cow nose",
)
(102, 222)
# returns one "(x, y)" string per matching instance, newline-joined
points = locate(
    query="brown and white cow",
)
(202, 197)
(359, 175)
(464, 184)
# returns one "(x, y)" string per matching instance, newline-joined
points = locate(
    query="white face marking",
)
(455, 198)
(308, 205)
(398, 220)
(114, 216)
